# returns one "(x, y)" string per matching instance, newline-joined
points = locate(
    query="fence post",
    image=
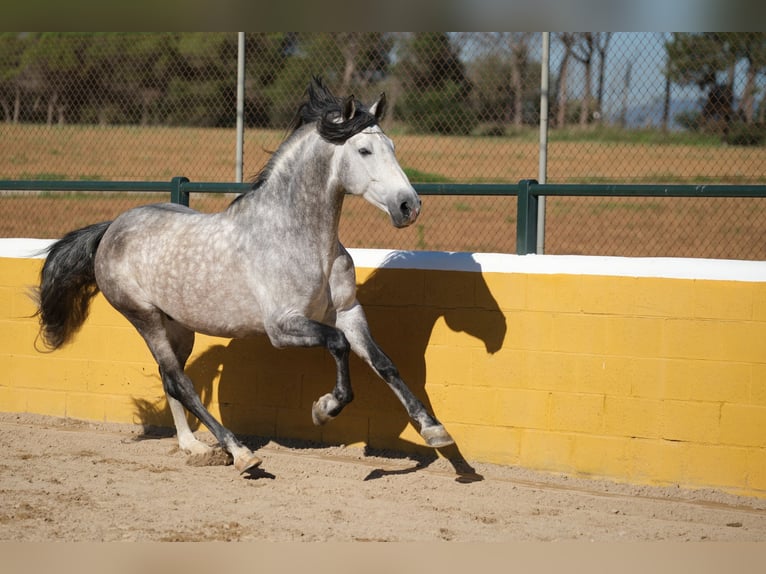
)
(526, 224)
(178, 195)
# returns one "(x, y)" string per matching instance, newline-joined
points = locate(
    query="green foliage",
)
(439, 111)
(743, 134)
(436, 88)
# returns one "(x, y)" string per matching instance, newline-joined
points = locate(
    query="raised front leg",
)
(298, 331)
(353, 323)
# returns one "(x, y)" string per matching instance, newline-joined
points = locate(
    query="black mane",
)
(325, 108)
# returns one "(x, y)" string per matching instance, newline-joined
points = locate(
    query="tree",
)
(699, 59)
(505, 81)
(750, 47)
(582, 51)
(602, 46)
(52, 70)
(568, 40)
(12, 46)
(436, 88)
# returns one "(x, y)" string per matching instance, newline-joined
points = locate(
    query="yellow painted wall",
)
(646, 380)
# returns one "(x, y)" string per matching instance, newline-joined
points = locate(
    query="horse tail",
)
(67, 284)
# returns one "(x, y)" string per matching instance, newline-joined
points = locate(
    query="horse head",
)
(365, 162)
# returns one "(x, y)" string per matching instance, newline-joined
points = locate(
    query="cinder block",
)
(20, 273)
(756, 471)
(601, 455)
(743, 425)
(713, 465)
(348, 429)
(468, 405)
(660, 297)
(576, 412)
(449, 289)
(656, 461)
(251, 419)
(488, 443)
(22, 304)
(446, 365)
(717, 340)
(45, 402)
(724, 300)
(609, 375)
(44, 372)
(713, 381)
(547, 450)
(505, 368)
(531, 331)
(503, 291)
(580, 333)
(607, 295)
(692, 421)
(18, 337)
(125, 409)
(634, 336)
(551, 371)
(632, 417)
(555, 293)
(296, 424)
(757, 385)
(395, 433)
(85, 406)
(522, 408)
(14, 400)
(131, 379)
(400, 287)
(759, 301)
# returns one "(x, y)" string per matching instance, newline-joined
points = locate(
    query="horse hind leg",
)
(154, 329)
(182, 342)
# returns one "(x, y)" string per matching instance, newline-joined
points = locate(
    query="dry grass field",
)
(721, 228)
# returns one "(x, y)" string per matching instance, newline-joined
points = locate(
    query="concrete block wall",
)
(647, 371)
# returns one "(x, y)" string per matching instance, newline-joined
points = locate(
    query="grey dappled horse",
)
(270, 263)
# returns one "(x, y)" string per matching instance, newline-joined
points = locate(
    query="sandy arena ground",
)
(67, 480)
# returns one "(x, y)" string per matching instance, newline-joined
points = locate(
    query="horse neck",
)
(300, 191)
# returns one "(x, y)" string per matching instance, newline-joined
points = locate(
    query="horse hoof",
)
(321, 407)
(246, 462)
(436, 436)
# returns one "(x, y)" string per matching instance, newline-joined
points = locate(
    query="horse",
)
(271, 262)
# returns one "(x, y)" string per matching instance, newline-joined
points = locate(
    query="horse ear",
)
(378, 109)
(349, 108)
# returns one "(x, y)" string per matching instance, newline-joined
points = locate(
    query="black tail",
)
(67, 284)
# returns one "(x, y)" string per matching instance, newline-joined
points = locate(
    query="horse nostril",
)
(405, 208)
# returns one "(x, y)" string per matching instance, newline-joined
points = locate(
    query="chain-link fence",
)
(464, 108)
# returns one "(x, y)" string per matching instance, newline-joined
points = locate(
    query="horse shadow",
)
(269, 392)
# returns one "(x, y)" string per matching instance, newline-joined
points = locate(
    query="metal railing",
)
(528, 193)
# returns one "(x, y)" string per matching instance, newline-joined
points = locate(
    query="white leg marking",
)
(186, 439)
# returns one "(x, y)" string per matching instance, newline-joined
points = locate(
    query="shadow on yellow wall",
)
(265, 392)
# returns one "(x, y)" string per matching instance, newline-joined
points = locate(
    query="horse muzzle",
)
(406, 209)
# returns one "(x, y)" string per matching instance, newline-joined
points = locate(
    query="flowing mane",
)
(326, 110)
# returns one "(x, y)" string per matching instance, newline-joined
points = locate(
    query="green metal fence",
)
(528, 193)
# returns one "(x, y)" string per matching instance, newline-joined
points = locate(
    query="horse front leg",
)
(299, 331)
(353, 323)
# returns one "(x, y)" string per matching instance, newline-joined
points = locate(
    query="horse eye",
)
(365, 151)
